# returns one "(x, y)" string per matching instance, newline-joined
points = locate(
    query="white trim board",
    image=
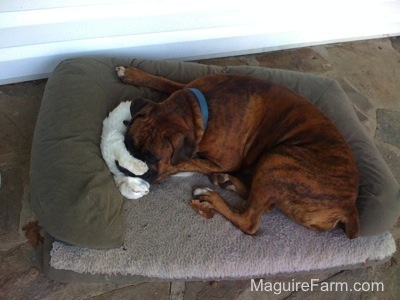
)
(36, 36)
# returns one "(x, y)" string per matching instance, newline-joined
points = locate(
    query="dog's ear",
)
(184, 148)
(139, 105)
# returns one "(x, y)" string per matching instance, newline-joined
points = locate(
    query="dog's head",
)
(159, 136)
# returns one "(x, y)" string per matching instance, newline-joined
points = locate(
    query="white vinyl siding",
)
(36, 35)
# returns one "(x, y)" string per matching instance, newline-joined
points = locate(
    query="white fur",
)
(183, 174)
(120, 71)
(113, 148)
(201, 191)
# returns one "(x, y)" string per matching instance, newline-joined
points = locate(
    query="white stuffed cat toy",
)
(114, 152)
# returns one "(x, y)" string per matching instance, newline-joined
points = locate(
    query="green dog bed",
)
(73, 192)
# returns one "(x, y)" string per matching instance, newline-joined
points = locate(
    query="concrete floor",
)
(369, 71)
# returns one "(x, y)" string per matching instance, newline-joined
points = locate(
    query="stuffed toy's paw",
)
(132, 187)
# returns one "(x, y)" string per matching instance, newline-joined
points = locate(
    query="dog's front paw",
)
(131, 75)
(132, 187)
(202, 193)
(230, 183)
(222, 180)
(120, 71)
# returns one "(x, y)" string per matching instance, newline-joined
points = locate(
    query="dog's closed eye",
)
(149, 158)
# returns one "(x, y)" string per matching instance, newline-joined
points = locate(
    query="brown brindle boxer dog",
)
(301, 163)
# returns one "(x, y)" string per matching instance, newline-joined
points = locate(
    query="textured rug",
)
(167, 239)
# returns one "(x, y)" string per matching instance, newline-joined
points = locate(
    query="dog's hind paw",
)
(205, 209)
(203, 202)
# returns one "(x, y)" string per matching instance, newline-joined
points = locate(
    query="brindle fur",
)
(301, 163)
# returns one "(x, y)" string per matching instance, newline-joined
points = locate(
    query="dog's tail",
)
(351, 224)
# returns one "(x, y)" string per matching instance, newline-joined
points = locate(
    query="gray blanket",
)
(167, 239)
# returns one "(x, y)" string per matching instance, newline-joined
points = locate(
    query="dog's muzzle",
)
(150, 176)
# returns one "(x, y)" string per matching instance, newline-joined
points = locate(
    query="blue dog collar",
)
(203, 105)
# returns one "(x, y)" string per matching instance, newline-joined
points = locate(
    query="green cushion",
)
(73, 192)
